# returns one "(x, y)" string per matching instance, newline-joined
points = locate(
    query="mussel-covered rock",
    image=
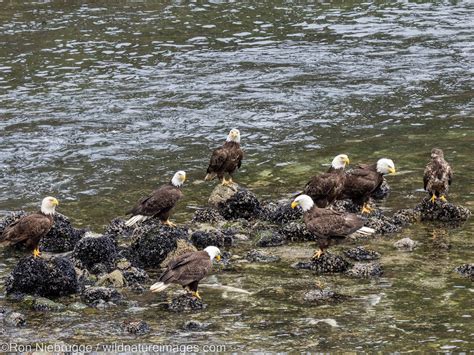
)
(203, 239)
(382, 224)
(382, 191)
(405, 217)
(117, 229)
(280, 212)
(207, 215)
(14, 319)
(268, 238)
(114, 279)
(296, 231)
(326, 263)
(186, 303)
(256, 256)
(62, 237)
(235, 202)
(94, 296)
(10, 218)
(365, 270)
(38, 276)
(194, 325)
(360, 254)
(405, 244)
(96, 254)
(322, 296)
(466, 270)
(442, 211)
(152, 246)
(136, 327)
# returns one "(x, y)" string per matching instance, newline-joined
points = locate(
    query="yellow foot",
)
(366, 208)
(169, 223)
(196, 294)
(36, 253)
(433, 198)
(228, 183)
(319, 284)
(317, 254)
(442, 198)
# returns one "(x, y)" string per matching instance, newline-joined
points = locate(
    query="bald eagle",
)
(362, 181)
(187, 270)
(325, 188)
(226, 159)
(328, 226)
(159, 203)
(29, 230)
(438, 176)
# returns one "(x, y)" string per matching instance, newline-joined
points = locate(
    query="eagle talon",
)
(366, 209)
(36, 253)
(433, 198)
(196, 294)
(442, 198)
(169, 223)
(317, 254)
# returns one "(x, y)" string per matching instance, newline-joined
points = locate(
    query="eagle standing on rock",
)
(187, 270)
(29, 230)
(226, 159)
(361, 182)
(438, 176)
(159, 203)
(324, 189)
(328, 226)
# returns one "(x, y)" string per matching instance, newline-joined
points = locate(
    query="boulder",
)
(268, 238)
(466, 270)
(93, 296)
(186, 303)
(235, 202)
(365, 270)
(62, 237)
(326, 263)
(405, 244)
(117, 229)
(96, 254)
(207, 215)
(296, 231)
(114, 279)
(360, 254)
(256, 256)
(322, 296)
(42, 304)
(136, 327)
(280, 212)
(194, 325)
(382, 224)
(14, 319)
(442, 211)
(202, 239)
(47, 278)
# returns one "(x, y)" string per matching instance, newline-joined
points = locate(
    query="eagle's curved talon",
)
(366, 209)
(36, 253)
(433, 198)
(317, 254)
(196, 294)
(442, 198)
(169, 223)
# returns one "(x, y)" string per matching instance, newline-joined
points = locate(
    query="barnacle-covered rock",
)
(360, 254)
(257, 256)
(322, 296)
(93, 296)
(268, 238)
(326, 263)
(442, 211)
(405, 244)
(296, 231)
(365, 270)
(466, 270)
(136, 327)
(235, 202)
(96, 254)
(207, 215)
(186, 303)
(280, 212)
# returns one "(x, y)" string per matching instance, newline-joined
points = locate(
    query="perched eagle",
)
(226, 159)
(438, 176)
(159, 203)
(362, 181)
(328, 226)
(187, 270)
(28, 230)
(325, 188)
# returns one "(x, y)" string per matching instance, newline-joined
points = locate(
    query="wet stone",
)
(405, 217)
(194, 325)
(62, 237)
(280, 212)
(42, 304)
(327, 263)
(382, 191)
(360, 254)
(136, 327)
(466, 270)
(207, 215)
(202, 239)
(382, 224)
(90, 251)
(256, 256)
(322, 296)
(442, 211)
(94, 296)
(405, 244)
(296, 231)
(269, 238)
(10, 218)
(14, 319)
(365, 270)
(113, 279)
(38, 276)
(117, 229)
(186, 303)
(134, 275)
(236, 202)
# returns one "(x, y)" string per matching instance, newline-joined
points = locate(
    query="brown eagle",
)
(325, 188)
(438, 176)
(28, 230)
(362, 181)
(187, 270)
(159, 203)
(328, 226)
(226, 159)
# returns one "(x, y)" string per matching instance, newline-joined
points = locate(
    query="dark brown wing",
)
(427, 174)
(28, 230)
(333, 224)
(187, 268)
(360, 183)
(161, 200)
(218, 158)
(325, 188)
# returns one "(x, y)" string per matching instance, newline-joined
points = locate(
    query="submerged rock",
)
(280, 212)
(256, 256)
(96, 254)
(360, 253)
(366, 270)
(405, 244)
(38, 276)
(442, 211)
(62, 237)
(136, 327)
(327, 263)
(93, 296)
(466, 270)
(207, 215)
(194, 325)
(42, 304)
(14, 319)
(268, 238)
(186, 303)
(236, 202)
(322, 296)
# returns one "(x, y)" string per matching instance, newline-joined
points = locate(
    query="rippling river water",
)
(101, 102)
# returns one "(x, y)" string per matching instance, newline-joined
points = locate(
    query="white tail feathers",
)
(366, 231)
(158, 287)
(210, 176)
(135, 219)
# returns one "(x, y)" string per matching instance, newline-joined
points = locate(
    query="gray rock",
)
(322, 296)
(15, 319)
(117, 229)
(257, 256)
(42, 304)
(94, 296)
(186, 303)
(327, 263)
(207, 215)
(90, 251)
(136, 327)
(466, 270)
(366, 270)
(360, 253)
(296, 231)
(194, 325)
(382, 224)
(268, 238)
(405, 244)
(113, 279)
(235, 203)
(134, 275)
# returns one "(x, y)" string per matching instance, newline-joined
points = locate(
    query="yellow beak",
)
(218, 258)
(346, 160)
(294, 204)
(392, 170)
(55, 202)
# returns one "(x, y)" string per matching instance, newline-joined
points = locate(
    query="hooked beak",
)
(55, 202)
(218, 258)
(294, 204)
(392, 170)
(346, 160)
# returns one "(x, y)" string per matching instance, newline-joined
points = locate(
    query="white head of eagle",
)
(340, 161)
(385, 166)
(214, 252)
(234, 136)
(178, 178)
(48, 205)
(304, 201)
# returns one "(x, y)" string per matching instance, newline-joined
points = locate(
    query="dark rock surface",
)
(186, 303)
(93, 296)
(360, 254)
(296, 231)
(38, 276)
(207, 215)
(382, 191)
(117, 229)
(92, 251)
(256, 256)
(236, 202)
(405, 244)
(406, 217)
(14, 319)
(203, 239)
(194, 325)
(322, 296)
(365, 270)
(136, 327)
(267, 238)
(442, 211)
(327, 263)
(10, 218)
(62, 237)
(466, 270)
(382, 224)
(280, 212)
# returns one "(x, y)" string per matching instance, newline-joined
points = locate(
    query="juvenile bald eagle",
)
(160, 203)
(187, 270)
(362, 181)
(328, 226)
(438, 176)
(28, 230)
(325, 188)
(226, 159)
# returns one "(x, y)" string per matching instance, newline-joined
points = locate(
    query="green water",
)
(100, 103)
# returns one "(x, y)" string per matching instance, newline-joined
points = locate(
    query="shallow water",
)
(100, 103)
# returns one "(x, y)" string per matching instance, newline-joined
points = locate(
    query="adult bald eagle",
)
(159, 203)
(328, 226)
(362, 181)
(29, 230)
(187, 270)
(438, 176)
(226, 159)
(325, 188)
